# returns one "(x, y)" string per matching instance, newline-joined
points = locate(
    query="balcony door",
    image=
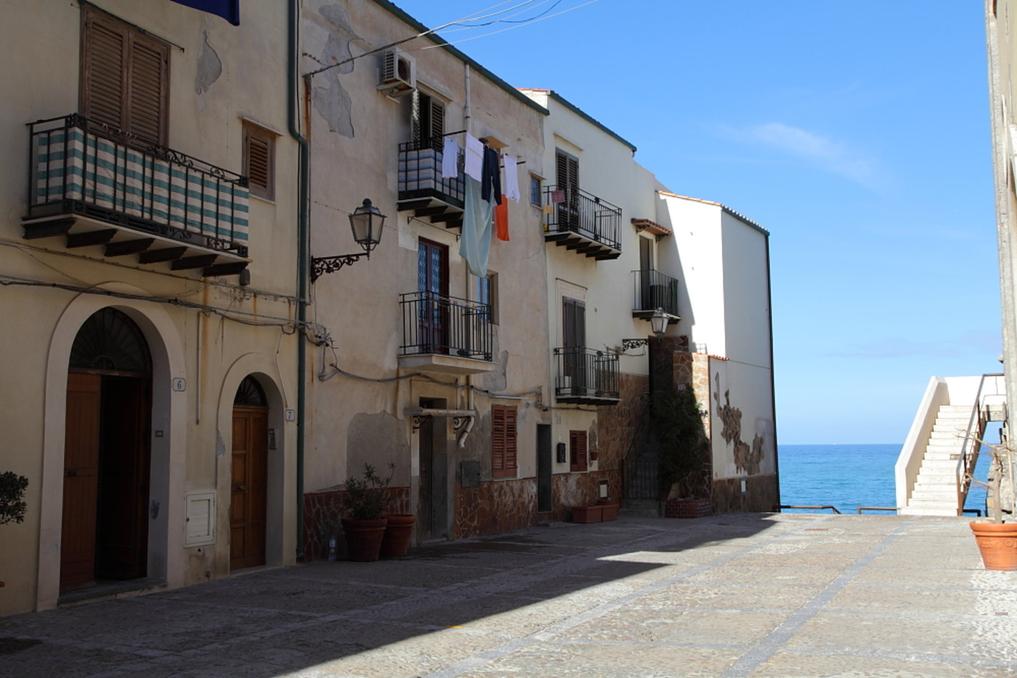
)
(645, 268)
(432, 283)
(567, 178)
(574, 343)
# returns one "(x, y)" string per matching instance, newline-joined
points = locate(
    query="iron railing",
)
(585, 374)
(77, 166)
(436, 324)
(573, 210)
(652, 290)
(420, 173)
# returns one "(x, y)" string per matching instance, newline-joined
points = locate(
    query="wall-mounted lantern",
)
(366, 222)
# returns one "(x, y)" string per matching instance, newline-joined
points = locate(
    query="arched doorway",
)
(104, 532)
(249, 476)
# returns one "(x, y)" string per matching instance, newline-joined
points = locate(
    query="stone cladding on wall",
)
(323, 510)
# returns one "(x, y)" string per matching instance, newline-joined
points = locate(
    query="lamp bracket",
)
(628, 344)
(322, 265)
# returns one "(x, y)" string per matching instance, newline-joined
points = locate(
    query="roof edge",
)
(401, 14)
(582, 114)
(737, 215)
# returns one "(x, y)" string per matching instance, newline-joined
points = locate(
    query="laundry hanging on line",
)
(511, 177)
(450, 159)
(475, 241)
(490, 180)
(501, 229)
(474, 165)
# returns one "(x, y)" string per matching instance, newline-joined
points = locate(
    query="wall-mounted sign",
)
(179, 384)
(291, 415)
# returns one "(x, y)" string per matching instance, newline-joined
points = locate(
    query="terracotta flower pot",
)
(609, 512)
(587, 514)
(998, 544)
(398, 533)
(363, 538)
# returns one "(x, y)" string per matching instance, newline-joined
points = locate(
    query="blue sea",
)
(849, 476)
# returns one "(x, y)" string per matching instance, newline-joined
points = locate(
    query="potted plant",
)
(364, 528)
(398, 534)
(997, 536)
(684, 454)
(12, 499)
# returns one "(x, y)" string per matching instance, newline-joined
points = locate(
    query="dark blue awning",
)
(227, 9)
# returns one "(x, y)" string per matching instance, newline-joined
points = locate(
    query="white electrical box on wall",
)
(200, 518)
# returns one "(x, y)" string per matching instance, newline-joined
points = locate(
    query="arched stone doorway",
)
(249, 476)
(107, 455)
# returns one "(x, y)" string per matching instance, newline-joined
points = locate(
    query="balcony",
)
(578, 221)
(422, 187)
(445, 334)
(97, 186)
(586, 377)
(652, 290)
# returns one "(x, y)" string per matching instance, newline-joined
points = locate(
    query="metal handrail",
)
(420, 176)
(829, 507)
(972, 444)
(652, 289)
(571, 209)
(438, 324)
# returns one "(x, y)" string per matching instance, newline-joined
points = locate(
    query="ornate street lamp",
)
(366, 222)
(658, 324)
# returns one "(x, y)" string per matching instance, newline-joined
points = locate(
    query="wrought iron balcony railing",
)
(652, 290)
(584, 375)
(83, 168)
(595, 223)
(436, 324)
(420, 175)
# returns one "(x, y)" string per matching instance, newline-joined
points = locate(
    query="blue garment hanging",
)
(475, 242)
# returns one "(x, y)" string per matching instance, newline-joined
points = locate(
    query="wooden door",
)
(544, 467)
(432, 283)
(81, 480)
(574, 341)
(249, 487)
(646, 301)
(567, 177)
(122, 530)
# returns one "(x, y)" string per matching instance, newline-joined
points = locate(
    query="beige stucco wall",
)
(354, 156)
(191, 431)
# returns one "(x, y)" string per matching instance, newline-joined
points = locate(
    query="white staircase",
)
(935, 489)
(932, 471)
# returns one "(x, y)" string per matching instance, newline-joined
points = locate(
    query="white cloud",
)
(821, 151)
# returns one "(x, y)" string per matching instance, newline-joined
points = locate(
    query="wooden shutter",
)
(574, 323)
(104, 70)
(124, 77)
(567, 173)
(577, 447)
(437, 122)
(503, 442)
(148, 88)
(259, 161)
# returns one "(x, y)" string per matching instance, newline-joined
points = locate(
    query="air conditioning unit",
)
(398, 73)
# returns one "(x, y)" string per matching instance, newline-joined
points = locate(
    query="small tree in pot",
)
(365, 502)
(684, 453)
(12, 499)
(997, 537)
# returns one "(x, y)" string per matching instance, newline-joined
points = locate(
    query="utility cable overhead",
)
(430, 31)
(510, 28)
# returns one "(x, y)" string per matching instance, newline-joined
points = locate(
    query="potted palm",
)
(364, 527)
(997, 536)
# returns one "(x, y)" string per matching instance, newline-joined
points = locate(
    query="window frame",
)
(490, 283)
(537, 199)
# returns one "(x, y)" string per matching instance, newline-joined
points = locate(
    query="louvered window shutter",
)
(510, 441)
(577, 445)
(437, 122)
(148, 86)
(561, 166)
(259, 161)
(104, 71)
(497, 440)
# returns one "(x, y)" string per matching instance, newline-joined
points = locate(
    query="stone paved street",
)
(737, 594)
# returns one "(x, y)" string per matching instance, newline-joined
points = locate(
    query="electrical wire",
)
(509, 28)
(463, 26)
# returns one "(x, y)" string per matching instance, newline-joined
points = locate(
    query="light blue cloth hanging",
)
(475, 242)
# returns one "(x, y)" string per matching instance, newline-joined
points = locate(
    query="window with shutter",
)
(259, 160)
(124, 77)
(577, 449)
(427, 119)
(504, 456)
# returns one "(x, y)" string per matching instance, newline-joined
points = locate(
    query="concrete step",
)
(921, 511)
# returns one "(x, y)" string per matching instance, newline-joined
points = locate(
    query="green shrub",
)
(684, 447)
(12, 497)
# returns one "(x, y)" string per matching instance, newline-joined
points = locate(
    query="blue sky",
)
(856, 132)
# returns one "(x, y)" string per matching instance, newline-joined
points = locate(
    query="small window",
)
(535, 185)
(259, 160)
(503, 442)
(487, 293)
(577, 450)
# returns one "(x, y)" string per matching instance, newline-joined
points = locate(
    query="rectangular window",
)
(487, 293)
(577, 450)
(503, 442)
(124, 77)
(535, 186)
(259, 160)
(427, 119)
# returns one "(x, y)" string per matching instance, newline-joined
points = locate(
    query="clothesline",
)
(462, 131)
